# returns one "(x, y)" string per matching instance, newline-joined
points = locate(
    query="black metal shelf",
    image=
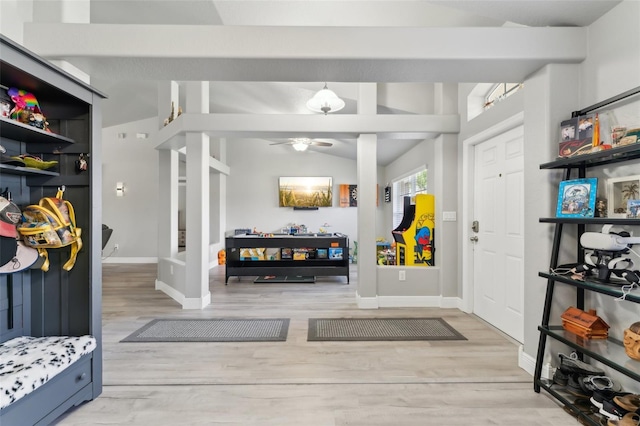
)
(570, 404)
(15, 130)
(607, 351)
(610, 289)
(591, 220)
(609, 156)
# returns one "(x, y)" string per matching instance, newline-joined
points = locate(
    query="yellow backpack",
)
(51, 224)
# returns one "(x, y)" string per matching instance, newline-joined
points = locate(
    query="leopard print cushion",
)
(26, 363)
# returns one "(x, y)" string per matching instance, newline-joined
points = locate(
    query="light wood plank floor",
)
(474, 382)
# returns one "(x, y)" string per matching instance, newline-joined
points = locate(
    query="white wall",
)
(133, 217)
(410, 97)
(13, 15)
(252, 187)
(613, 59)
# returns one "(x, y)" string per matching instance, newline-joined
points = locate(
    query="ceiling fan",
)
(301, 144)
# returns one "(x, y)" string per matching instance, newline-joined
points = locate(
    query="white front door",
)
(499, 251)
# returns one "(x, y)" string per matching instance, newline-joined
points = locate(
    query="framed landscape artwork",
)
(577, 198)
(620, 191)
(305, 191)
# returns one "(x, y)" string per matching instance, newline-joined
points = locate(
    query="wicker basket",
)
(632, 341)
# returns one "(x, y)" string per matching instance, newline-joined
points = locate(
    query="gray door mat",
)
(370, 329)
(212, 330)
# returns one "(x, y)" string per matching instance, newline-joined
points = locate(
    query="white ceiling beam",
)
(258, 53)
(348, 126)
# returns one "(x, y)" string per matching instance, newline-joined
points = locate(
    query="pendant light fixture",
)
(325, 101)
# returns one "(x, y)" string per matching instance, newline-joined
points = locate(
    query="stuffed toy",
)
(26, 109)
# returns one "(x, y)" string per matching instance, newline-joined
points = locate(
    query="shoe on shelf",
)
(574, 386)
(611, 410)
(571, 364)
(629, 419)
(630, 402)
(560, 378)
(599, 396)
(594, 383)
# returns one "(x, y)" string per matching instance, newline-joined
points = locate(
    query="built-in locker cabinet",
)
(56, 302)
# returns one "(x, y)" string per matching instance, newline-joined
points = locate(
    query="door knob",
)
(474, 239)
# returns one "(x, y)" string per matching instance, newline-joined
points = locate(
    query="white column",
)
(167, 183)
(168, 91)
(167, 204)
(218, 193)
(367, 179)
(445, 181)
(197, 294)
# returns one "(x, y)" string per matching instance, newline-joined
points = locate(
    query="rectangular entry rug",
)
(368, 329)
(212, 330)
(285, 279)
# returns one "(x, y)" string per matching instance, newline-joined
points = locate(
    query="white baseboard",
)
(451, 303)
(197, 302)
(169, 291)
(187, 303)
(418, 302)
(130, 260)
(408, 302)
(367, 302)
(528, 364)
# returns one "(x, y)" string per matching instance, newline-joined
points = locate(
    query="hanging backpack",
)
(51, 224)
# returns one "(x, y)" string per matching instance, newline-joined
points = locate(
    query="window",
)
(499, 92)
(485, 95)
(408, 186)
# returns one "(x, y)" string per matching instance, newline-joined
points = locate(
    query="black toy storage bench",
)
(42, 377)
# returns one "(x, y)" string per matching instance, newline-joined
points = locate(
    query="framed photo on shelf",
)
(576, 136)
(633, 209)
(577, 198)
(619, 192)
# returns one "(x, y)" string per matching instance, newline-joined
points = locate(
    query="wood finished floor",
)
(473, 382)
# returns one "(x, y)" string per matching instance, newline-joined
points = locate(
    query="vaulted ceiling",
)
(268, 84)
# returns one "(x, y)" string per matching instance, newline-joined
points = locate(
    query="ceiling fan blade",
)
(281, 143)
(318, 143)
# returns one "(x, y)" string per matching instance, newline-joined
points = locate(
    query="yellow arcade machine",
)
(415, 236)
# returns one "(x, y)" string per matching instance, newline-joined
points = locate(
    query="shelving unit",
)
(237, 266)
(609, 351)
(57, 302)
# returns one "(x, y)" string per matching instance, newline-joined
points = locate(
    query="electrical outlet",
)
(402, 275)
(116, 246)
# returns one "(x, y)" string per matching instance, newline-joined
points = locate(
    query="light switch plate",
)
(449, 216)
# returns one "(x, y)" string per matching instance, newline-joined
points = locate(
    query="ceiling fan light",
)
(325, 101)
(300, 146)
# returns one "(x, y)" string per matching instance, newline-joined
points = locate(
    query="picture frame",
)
(577, 198)
(619, 191)
(633, 209)
(305, 191)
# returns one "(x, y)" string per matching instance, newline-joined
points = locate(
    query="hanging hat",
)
(14, 255)
(24, 258)
(10, 216)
